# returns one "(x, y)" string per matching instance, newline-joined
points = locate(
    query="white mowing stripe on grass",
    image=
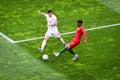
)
(7, 38)
(12, 41)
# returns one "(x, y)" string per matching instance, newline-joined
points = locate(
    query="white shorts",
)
(53, 32)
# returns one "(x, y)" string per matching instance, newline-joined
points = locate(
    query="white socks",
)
(43, 44)
(61, 39)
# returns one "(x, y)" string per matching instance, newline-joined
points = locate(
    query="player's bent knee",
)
(46, 37)
(67, 46)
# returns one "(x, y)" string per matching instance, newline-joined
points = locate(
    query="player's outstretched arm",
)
(85, 36)
(41, 13)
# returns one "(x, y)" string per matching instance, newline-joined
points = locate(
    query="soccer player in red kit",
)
(75, 41)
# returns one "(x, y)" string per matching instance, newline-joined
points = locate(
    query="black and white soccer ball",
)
(45, 57)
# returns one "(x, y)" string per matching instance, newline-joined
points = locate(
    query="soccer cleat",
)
(41, 50)
(75, 57)
(56, 54)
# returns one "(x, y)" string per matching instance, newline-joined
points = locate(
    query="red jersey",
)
(76, 40)
(79, 32)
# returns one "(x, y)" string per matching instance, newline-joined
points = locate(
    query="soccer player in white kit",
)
(52, 29)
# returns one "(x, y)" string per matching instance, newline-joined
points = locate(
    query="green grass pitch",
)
(99, 59)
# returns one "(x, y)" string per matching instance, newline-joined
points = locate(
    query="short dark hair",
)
(49, 11)
(80, 21)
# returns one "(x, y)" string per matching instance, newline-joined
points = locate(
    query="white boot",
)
(75, 57)
(56, 54)
(41, 50)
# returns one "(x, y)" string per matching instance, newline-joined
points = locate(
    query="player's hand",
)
(48, 25)
(85, 41)
(39, 11)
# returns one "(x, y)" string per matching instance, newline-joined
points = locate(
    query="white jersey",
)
(52, 30)
(51, 21)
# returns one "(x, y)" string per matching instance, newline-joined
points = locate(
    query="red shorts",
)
(72, 44)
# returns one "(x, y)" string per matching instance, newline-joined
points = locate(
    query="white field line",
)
(91, 29)
(9, 39)
(12, 41)
(29, 39)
